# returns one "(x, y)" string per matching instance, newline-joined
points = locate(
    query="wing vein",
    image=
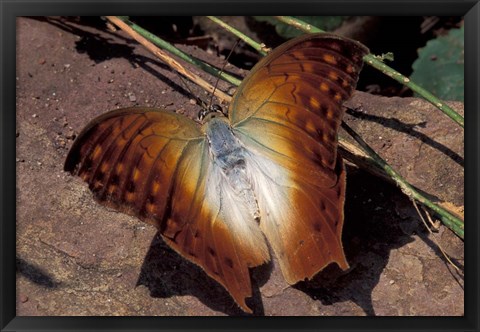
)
(151, 175)
(104, 134)
(121, 154)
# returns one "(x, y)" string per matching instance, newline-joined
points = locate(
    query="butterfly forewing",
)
(300, 85)
(288, 110)
(128, 161)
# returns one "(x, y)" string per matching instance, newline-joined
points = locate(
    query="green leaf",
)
(327, 23)
(440, 66)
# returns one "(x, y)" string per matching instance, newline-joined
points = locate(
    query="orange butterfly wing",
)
(155, 165)
(287, 113)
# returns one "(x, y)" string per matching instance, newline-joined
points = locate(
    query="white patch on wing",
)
(235, 213)
(271, 184)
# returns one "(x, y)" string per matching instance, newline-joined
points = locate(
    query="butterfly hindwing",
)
(302, 222)
(287, 113)
(155, 165)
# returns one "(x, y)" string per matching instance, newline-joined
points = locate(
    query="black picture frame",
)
(12, 9)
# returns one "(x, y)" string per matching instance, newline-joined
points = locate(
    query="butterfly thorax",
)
(229, 156)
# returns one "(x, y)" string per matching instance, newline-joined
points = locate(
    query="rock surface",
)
(75, 257)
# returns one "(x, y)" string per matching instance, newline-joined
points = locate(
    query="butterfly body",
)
(230, 156)
(230, 193)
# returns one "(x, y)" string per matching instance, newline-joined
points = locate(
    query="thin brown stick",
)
(435, 225)
(433, 238)
(169, 60)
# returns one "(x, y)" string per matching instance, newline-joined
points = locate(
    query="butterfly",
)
(229, 193)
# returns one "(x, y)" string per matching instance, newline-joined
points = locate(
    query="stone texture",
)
(75, 257)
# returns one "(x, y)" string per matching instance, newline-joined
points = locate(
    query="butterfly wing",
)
(155, 165)
(287, 113)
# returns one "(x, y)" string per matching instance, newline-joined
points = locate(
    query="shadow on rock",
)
(409, 129)
(371, 230)
(99, 48)
(35, 274)
(165, 273)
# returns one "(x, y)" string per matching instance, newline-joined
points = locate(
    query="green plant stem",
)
(299, 24)
(175, 51)
(259, 47)
(374, 62)
(452, 222)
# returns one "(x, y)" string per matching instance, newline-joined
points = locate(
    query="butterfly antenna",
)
(221, 72)
(198, 99)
